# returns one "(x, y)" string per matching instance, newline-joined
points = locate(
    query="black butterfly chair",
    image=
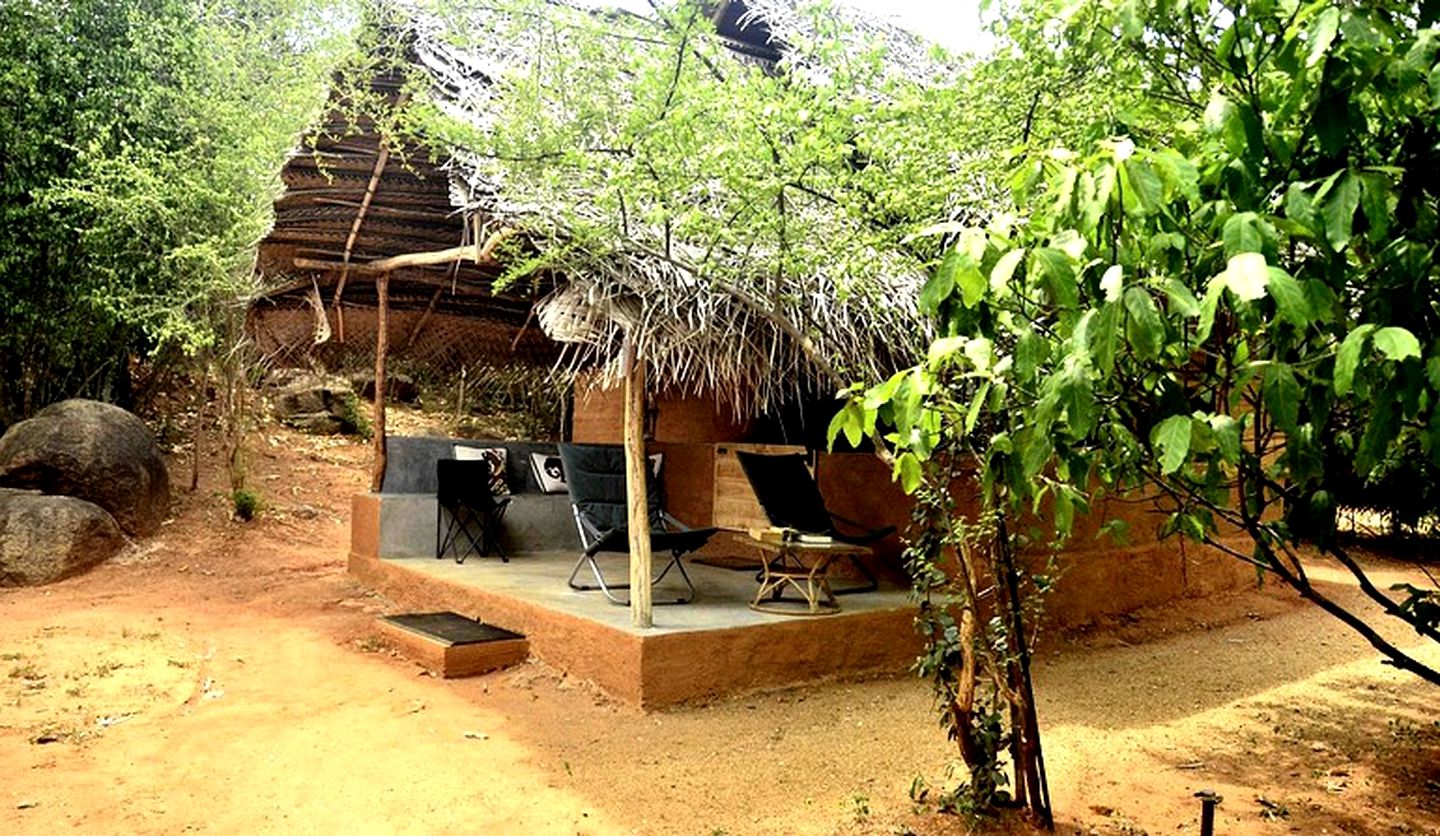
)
(791, 499)
(463, 492)
(595, 476)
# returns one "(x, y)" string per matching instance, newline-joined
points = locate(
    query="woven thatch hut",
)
(385, 247)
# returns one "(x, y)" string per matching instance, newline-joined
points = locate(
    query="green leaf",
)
(1227, 437)
(1396, 343)
(940, 284)
(1057, 275)
(1339, 210)
(1281, 392)
(1078, 398)
(1142, 187)
(977, 403)
(1241, 234)
(1035, 453)
(877, 396)
(1104, 334)
(1300, 206)
(1321, 35)
(1347, 360)
(1030, 351)
(907, 468)
(1182, 301)
(1375, 201)
(970, 280)
(1172, 437)
(846, 421)
(853, 426)
(1290, 300)
(1004, 270)
(1208, 306)
(1144, 330)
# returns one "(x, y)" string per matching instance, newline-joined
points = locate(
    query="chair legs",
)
(608, 588)
(459, 534)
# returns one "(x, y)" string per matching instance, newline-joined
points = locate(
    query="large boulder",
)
(92, 451)
(46, 538)
(314, 403)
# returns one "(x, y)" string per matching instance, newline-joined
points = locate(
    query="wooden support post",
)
(382, 346)
(635, 482)
(382, 156)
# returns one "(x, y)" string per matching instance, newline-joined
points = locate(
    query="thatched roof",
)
(746, 342)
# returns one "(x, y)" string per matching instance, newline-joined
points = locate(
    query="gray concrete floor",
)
(721, 601)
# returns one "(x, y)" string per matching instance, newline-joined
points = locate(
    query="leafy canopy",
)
(140, 142)
(1238, 305)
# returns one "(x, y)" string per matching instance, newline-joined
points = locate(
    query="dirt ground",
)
(225, 677)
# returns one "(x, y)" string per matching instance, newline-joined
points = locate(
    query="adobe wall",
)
(1098, 578)
(600, 417)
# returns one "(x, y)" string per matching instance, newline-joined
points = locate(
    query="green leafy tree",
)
(1236, 315)
(140, 143)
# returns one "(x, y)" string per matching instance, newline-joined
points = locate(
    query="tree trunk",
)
(636, 489)
(382, 346)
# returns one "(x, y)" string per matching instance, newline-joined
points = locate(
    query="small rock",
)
(475, 735)
(27, 805)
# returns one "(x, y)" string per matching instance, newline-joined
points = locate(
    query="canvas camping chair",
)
(463, 494)
(791, 499)
(595, 477)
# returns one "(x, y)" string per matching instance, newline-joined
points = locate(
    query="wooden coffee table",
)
(803, 567)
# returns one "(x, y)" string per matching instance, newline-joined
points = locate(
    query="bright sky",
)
(952, 23)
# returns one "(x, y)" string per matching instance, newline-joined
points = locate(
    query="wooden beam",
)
(483, 255)
(381, 159)
(382, 347)
(446, 256)
(321, 264)
(637, 494)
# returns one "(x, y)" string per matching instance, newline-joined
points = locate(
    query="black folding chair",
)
(463, 493)
(595, 476)
(791, 499)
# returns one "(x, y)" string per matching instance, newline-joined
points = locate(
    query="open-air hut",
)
(387, 252)
(375, 246)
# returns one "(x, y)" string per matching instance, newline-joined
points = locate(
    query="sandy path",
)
(223, 679)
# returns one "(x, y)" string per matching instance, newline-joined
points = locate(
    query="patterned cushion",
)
(549, 472)
(496, 457)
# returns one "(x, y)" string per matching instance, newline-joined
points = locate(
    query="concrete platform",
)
(711, 647)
